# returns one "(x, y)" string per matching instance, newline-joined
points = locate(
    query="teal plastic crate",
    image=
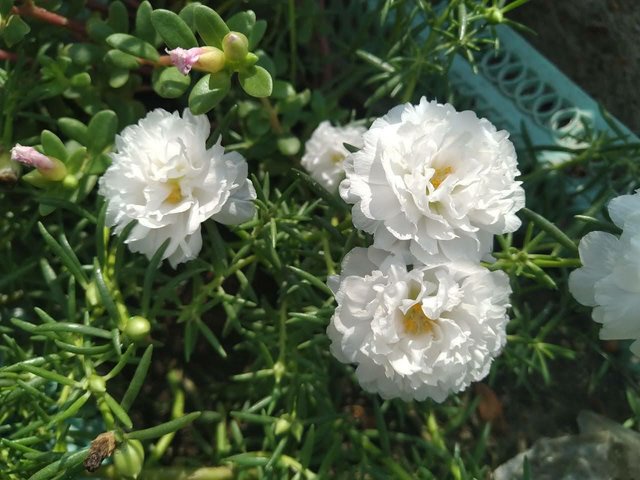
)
(517, 87)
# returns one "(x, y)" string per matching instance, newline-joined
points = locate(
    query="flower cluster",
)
(609, 279)
(164, 177)
(416, 311)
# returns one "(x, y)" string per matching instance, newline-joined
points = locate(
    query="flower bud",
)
(211, 60)
(494, 16)
(70, 182)
(128, 459)
(184, 59)
(97, 384)
(8, 168)
(235, 46)
(137, 328)
(50, 168)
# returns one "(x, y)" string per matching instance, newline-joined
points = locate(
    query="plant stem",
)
(30, 10)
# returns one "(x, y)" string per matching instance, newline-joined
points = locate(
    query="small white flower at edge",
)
(418, 333)
(609, 279)
(325, 152)
(163, 176)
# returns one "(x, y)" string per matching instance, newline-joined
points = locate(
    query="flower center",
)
(337, 157)
(415, 322)
(439, 176)
(175, 195)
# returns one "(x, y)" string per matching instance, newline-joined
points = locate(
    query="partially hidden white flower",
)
(417, 333)
(163, 176)
(609, 279)
(325, 153)
(434, 181)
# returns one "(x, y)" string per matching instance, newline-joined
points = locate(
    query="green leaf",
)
(170, 83)
(551, 229)
(163, 429)
(65, 255)
(5, 6)
(118, 18)
(256, 81)
(68, 463)
(118, 411)
(208, 92)
(173, 30)
(73, 129)
(149, 276)
(144, 28)
(133, 46)
(105, 294)
(99, 164)
(85, 54)
(138, 379)
(210, 26)
(15, 30)
(54, 377)
(120, 59)
(98, 29)
(102, 130)
(242, 22)
(53, 146)
(188, 15)
(118, 77)
(257, 32)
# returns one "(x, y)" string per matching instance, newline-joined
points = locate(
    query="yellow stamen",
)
(415, 322)
(337, 157)
(175, 195)
(439, 176)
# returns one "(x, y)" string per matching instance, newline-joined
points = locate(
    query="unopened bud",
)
(235, 46)
(137, 328)
(494, 16)
(97, 384)
(50, 168)
(128, 459)
(211, 60)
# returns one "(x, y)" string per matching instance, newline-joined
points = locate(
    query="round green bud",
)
(494, 16)
(91, 295)
(137, 328)
(128, 459)
(278, 370)
(70, 182)
(235, 46)
(97, 384)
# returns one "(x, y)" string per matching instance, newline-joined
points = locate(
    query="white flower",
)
(164, 177)
(609, 279)
(421, 333)
(433, 181)
(324, 152)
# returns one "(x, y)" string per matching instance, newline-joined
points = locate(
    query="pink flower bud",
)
(30, 156)
(50, 168)
(184, 59)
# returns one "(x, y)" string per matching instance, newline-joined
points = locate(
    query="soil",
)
(594, 42)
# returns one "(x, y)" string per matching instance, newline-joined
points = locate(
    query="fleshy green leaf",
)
(256, 81)
(118, 16)
(102, 130)
(208, 92)
(53, 146)
(122, 60)
(242, 22)
(173, 30)
(210, 26)
(257, 32)
(74, 129)
(170, 83)
(289, 145)
(133, 46)
(144, 28)
(15, 30)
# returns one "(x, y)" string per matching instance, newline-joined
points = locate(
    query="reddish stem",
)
(4, 55)
(30, 10)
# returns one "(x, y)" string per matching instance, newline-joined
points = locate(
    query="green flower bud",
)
(137, 328)
(128, 459)
(278, 371)
(211, 60)
(235, 46)
(70, 182)
(494, 16)
(97, 384)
